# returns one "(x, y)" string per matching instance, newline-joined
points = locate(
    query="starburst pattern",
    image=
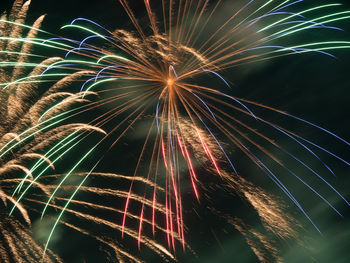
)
(34, 137)
(169, 76)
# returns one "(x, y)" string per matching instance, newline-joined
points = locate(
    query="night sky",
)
(312, 86)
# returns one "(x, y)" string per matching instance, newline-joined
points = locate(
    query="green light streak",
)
(278, 6)
(66, 177)
(257, 10)
(25, 26)
(60, 103)
(310, 26)
(38, 41)
(300, 13)
(37, 131)
(25, 82)
(321, 43)
(325, 48)
(112, 56)
(65, 207)
(23, 64)
(18, 81)
(20, 53)
(74, 61)
(48, 155)
(84, 29)
(47, 167)
(97, 83)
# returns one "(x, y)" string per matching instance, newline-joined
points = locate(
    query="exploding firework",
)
(167, 77)
(17, 243)
(34, 136)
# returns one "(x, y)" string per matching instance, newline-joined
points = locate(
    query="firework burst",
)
(34, 138)
(169, 75)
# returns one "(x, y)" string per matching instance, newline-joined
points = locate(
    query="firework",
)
(169, 75)
(17, 243)
(34, 136)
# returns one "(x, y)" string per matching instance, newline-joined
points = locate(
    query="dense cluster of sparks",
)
(172, 70)
(35, 134)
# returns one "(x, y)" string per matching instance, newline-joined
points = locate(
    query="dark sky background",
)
(311, 86)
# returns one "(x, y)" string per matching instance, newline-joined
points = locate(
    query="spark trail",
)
(173, 69)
